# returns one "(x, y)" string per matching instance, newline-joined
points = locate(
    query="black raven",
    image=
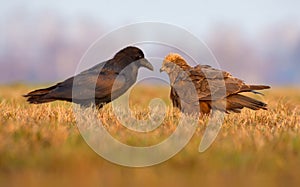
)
(100, 84)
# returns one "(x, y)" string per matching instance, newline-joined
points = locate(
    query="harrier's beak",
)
(162, 69)
(145, 63)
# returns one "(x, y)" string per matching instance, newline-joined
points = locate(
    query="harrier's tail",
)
(236, 102)
(38, 96)
(252, 88)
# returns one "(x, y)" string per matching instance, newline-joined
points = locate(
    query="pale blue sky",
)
(196, 16)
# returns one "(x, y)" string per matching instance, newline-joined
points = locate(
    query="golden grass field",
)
(40, 145)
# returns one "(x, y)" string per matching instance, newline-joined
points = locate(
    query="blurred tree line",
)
(46, 47)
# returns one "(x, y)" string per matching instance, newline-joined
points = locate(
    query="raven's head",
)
(130, 55)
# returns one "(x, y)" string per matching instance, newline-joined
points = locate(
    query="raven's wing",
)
(89, 85)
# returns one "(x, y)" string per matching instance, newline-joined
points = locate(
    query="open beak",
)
(145, 63)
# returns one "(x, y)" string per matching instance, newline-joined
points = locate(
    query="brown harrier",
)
(215, 89)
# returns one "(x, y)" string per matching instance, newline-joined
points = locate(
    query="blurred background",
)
(43, 41)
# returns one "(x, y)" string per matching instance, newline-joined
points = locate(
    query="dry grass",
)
(40, 146)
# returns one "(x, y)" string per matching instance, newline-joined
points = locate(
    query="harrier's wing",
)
(212, 84)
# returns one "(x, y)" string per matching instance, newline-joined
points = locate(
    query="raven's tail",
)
(39, 96)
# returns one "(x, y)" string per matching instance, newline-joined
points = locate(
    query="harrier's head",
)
(174, 60)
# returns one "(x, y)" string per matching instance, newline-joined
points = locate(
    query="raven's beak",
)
(145, 63)
(162, 69)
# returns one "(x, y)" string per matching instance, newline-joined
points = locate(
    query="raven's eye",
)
(138, 57)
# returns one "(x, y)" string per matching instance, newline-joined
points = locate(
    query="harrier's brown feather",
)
(216, 89)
